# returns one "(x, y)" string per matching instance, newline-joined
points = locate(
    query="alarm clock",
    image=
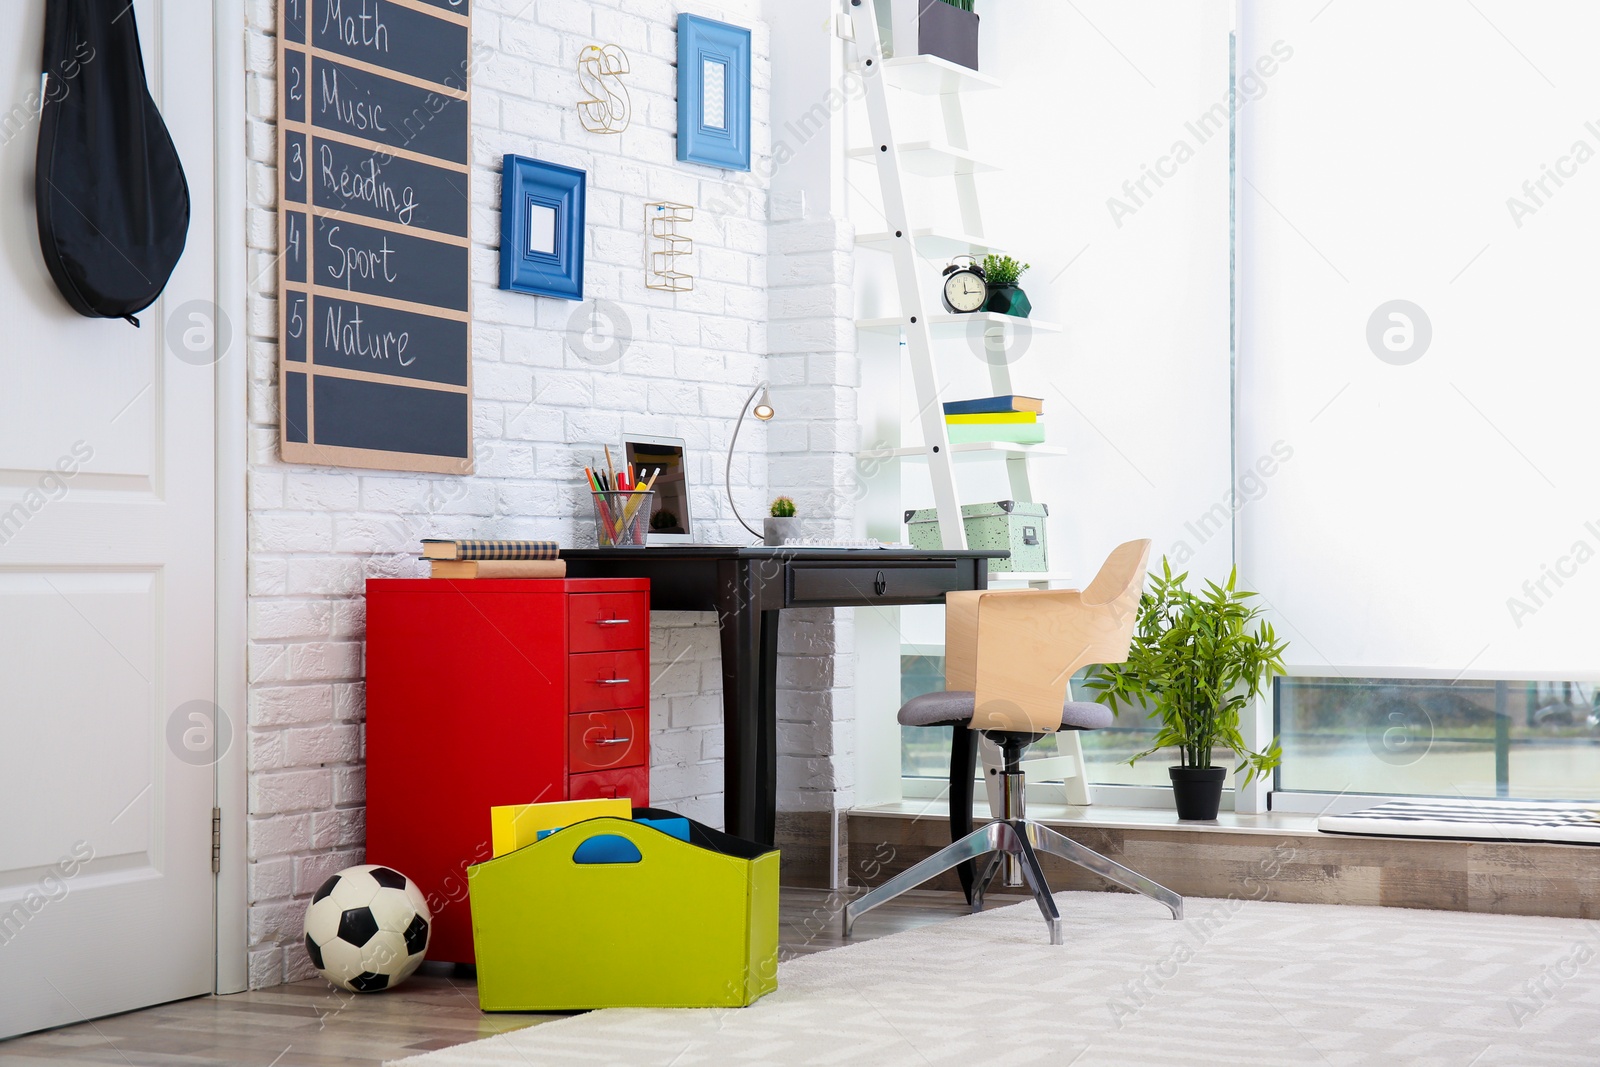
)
(965, 288)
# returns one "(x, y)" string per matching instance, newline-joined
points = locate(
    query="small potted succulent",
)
(1002, 274)
(944, 28)
(1197, 660)
(781, 526)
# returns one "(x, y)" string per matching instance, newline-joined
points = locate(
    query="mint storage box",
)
(1013, 524)
(674, 924)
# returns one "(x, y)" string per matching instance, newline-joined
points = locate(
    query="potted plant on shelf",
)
(781, 526)
(944, 28)
(1197, 660)
(1002, 273)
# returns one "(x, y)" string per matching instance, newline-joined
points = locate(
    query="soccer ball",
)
(367, 928)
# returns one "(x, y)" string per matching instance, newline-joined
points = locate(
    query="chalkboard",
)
(375, 302)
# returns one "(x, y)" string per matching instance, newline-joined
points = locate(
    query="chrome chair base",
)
(1020, 841)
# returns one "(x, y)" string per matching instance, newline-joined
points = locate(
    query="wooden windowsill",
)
(1111, 817)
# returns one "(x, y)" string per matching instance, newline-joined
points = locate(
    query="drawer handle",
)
(612, 622)
(611, 741)
(880, 584)
(612, 681)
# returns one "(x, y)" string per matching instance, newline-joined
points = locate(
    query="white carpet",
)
(1237, 982)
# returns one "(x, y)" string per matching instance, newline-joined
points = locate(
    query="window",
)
(1442, 738)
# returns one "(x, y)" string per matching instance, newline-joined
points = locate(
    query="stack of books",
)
(1018, 419)
(481, 558)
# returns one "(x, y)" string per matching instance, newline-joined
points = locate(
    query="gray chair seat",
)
(954, 706)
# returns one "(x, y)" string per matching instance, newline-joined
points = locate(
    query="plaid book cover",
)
(477, 548)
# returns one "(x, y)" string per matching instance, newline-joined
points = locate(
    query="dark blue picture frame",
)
(549, 197)
(703, 42)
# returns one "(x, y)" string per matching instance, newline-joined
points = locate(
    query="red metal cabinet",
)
(490, 692)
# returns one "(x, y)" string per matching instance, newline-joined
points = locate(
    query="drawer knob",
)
(880, 584)
(612, 622)
(612, 681)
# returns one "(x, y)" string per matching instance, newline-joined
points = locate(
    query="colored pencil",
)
(638, 495)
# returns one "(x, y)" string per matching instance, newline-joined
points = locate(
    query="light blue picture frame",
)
(541, 228)
(713, 93)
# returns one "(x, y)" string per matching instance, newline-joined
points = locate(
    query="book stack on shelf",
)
(482, 558)
(1018, 419)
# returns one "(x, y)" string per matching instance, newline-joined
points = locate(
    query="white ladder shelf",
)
(948, 157)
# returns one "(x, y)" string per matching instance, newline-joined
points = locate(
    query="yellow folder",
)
(514, 825)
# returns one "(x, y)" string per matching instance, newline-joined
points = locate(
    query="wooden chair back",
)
(1017, 649)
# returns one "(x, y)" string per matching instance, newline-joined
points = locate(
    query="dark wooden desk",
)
(747, 587)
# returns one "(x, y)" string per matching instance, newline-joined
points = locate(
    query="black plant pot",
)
(948, 32)
(1197, 791)
(1009, 300)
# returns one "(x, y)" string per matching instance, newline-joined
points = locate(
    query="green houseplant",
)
(1002, 273)
(1197, 660)
(781, 526)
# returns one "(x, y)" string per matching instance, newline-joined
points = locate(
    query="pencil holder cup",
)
(622, 517)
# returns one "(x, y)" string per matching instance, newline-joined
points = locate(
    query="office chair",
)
(1008, 657)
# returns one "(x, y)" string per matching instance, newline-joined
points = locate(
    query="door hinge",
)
(216, 840)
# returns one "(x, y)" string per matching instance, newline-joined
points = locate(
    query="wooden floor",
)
(312, 1024)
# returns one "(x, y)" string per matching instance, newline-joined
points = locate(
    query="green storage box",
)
(1014, 524)
(685, 924)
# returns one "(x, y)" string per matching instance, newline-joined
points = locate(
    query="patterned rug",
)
(1477, 820)
(1236, 982)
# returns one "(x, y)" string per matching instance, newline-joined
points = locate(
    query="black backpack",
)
(112, 200)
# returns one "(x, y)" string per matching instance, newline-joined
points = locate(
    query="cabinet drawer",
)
(602, 740)
(823, 584)
(601, 681)
(630, 782)
(601, 622)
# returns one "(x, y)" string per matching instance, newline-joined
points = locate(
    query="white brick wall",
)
(541, 412)
(812, 446)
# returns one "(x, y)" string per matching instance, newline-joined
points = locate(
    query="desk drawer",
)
(823, 584)
(602, 740)
(630, 782)
(600, 622)
(602, 681)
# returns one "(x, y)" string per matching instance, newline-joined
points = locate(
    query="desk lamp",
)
(763, 411)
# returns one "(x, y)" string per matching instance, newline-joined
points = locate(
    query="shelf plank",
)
(1055, 579)
(931, 159)
(946, 325)
(970, 450)
(933, 76)
(933, 244)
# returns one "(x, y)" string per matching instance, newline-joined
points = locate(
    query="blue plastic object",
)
(607, 848)
(677, 827)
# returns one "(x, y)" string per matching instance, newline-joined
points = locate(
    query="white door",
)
(106, 588)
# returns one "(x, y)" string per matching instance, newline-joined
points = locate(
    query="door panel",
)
(96, 714)
(107, 643)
